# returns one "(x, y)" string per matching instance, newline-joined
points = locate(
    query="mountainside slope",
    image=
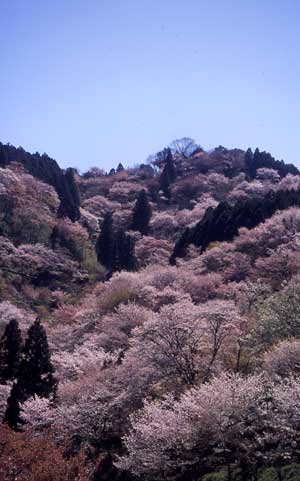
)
(157, 371)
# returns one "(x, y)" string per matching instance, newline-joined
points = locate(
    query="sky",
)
(98, 82)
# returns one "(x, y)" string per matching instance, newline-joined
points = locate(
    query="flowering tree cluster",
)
(29, 207)
(232, 421)
(166, 372)
(26, 458)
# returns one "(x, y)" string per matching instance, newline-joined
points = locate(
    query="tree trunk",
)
(279, 473)
(237, 367)
(255, 473)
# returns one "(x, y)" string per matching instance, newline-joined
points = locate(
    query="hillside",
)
(149, 317)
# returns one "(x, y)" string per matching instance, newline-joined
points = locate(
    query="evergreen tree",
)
(128, 253)
(165, 182)
(168, 174)
(105, 243)
(249, 166)
(117, 252)
(180, 247)
(223, 222)
(123, 253)
(165, 157)
(170, 165)
(10, 351)
(13, 409)
(54, 238)
(35, 374)
(141, 214)
(36, 371)
(3, 156)
(69, 197)
(256, 162)
(120, 167)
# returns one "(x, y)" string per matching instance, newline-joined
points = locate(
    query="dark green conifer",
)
(170, 165)
(249, 166)
(165, 183)
(123, 254)
(141, 214)
(54, 238)
(36, 372)
(255, 163)
(105, 242)
(128, 253)
(35, 375)
(10, 351)
(69, 197)
(13, 410)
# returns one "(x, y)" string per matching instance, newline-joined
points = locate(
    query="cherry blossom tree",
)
(209, 425)
(171, 342)
(184, 340)
(4, 394)
(283, 359)
(150, 250)
(278, 316)
(270, 175)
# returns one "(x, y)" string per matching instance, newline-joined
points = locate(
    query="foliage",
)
(47, 170)
(181, 372)
(105, 242)
(123, 253)
(141, 214)
(254, 162)
(223, 222)
(34, 376)
(185, 146)
(28, 458)
(10, 351)
(279, 316)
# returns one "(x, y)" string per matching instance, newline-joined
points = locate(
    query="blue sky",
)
(95, 82)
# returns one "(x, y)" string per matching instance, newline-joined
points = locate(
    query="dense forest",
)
(150, 318)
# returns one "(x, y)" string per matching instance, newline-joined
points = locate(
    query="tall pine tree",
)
(10, 351)
(249, 164)
(35, 375)
(123, 255)
(13, 409)
(141, 214)
(168, 174)
(164, 182)
(105, 242)
(170, 165)
(128, 253)
(69, 197)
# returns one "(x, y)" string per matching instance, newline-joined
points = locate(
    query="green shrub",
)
(220, 476)
(112, 299)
